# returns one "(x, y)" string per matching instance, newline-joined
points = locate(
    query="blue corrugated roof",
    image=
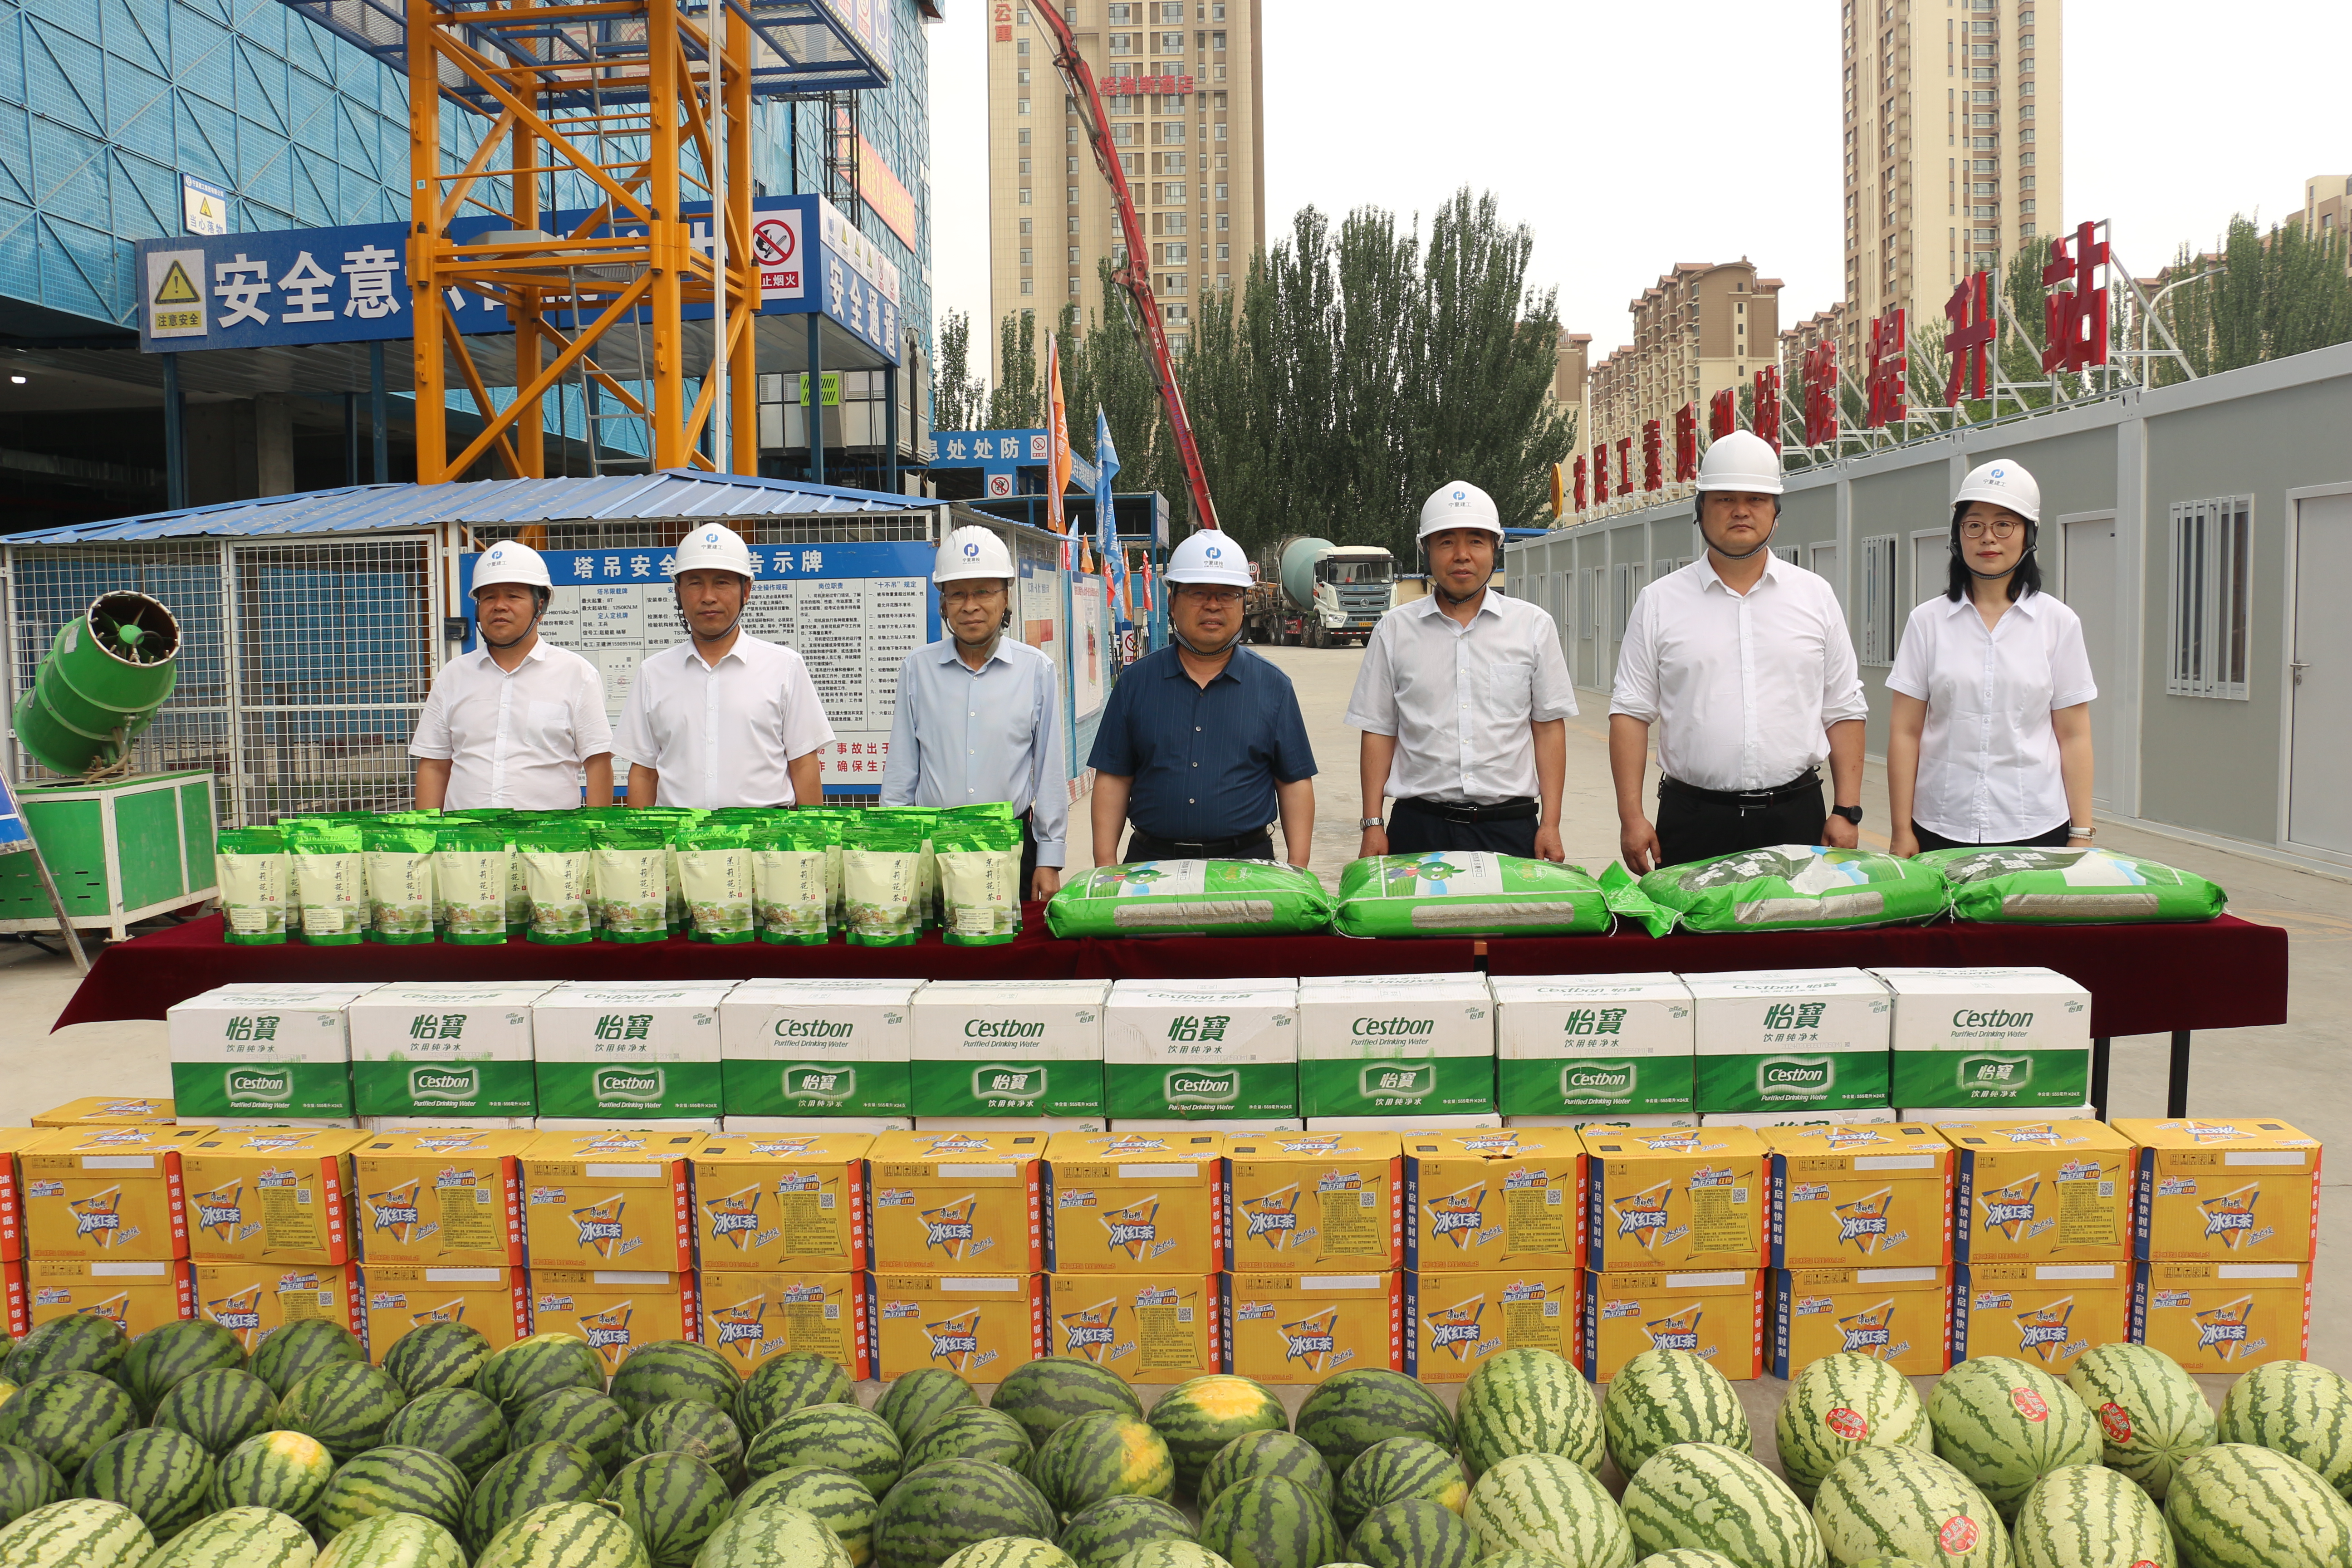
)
(671, 492)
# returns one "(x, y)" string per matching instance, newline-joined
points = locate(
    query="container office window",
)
(1878, 625)
(2213, 564)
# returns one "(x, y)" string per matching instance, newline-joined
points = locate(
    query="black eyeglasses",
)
(2000, 527)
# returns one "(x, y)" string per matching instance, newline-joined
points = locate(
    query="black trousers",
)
(2053, 839)
(1414, 829)
(1142, 846)
(1028, 856)
(1693, 827)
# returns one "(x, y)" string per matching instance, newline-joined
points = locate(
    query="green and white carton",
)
(817, 1048)
(1410, 1046)
(1598, 1046)
(455, 1049)
(1790, 1039)
(624, 1054)
(1009, 1047)
(2006, 1038)
(1201, 1049)
(267, 1053)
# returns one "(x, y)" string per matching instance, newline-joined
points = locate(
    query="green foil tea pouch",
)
(330, 883)
(399, 882)
(790, 902)
(251, 868)
(631, 873)
(2015, 886)
(881, 863)
(1189, 897)
(980, 881)
(714, 871)
(1796, 887)
(469, 876)
(1467, 893)
(518, 887)
(555, 862)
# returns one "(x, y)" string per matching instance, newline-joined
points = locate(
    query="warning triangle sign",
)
(175, 288)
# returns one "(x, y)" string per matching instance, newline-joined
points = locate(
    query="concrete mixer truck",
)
(1314, 592)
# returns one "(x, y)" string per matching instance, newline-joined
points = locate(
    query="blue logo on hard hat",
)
(971, 550)
(1999, 473)
(1461, 495)
(710, 537)
(1212, 553)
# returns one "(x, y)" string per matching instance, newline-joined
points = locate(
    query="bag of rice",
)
(980, 880)
(632, 872)
(881, 865)
(714, 870)
(330, 882)
(251, 869)
(1796, 887)
(554, 859)
(1467, 893)
(399, 882)
(2071, 887)
(469, 876)
(1190, 898)
(790, 901)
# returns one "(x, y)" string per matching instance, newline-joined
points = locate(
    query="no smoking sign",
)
(776, 246)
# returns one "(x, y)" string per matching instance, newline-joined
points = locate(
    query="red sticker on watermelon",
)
(2118, 1421)
(1847, 1424)
(1959, 1534)
(2029, 1405)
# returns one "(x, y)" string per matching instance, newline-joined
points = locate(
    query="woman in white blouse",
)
(1991, 685)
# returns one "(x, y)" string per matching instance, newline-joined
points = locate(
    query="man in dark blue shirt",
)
(1201, 743)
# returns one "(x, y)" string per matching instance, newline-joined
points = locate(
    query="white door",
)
(1931, 565)
(1824, 564)
(2089, 567)
(2319, 808)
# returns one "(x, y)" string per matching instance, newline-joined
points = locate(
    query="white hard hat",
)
(712, 547)
(971, 552)
(1459, 504)
(510, 562)
(1741, 461)
(2003, 483)
(1209, 555)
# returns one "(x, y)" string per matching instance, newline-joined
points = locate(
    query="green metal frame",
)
(121, 852)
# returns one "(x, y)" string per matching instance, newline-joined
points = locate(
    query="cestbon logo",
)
(259, 1086)
(1009, 1086)
(1195, 1085)
(1980, 1073)
(830, 1084)
(1597, 1080)
(1793, 1077)
(445, 1085)
(1398, 1081)
(627, 1086)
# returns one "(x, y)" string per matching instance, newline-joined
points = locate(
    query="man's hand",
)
(1547, 845)
(1637, 845)
(1044, 882)
(1376, 842)
(1901, 842)
(1840, 833)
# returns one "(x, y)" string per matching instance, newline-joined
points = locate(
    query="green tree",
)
(959, 399)
(1017, 400)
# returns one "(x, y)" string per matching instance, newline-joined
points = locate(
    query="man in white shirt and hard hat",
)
(1463, 699)
(517, 722)
(1743, 662)
(979, 714)
(724, 718)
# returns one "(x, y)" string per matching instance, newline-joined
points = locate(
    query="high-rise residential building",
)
(1181, 83)
(1699, 329)
(1991, 70)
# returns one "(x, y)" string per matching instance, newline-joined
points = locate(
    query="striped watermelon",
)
(239, 1538)
(219, 1408)
(840, 1437)
(2297, 1408)
(79, 1533)
(429, 1356)
(786, 1383)
(1894, 1503)
(1393, 1470)
(565, 1535)
(287, 1472)
(1266, 1522)
(2234, 1505)
(2002, 1423)
(1100, 1535)
(346, 1404)
(1547, 1502)
(915, 1400)
(393, 1481)
(1172, 1554)
(666, 1370)
(979, 1433)
(536, 1477)
(1043, 1393)
(1254, 1454)
(1662, 1396)
(935, 1512)
(1685, 1558)
(67, 1416)
(168, 1354)
(834, 1499)
(1201, 1417)
(771, 1536)
(1714, 1498)
(1011, 1551)
(1347, 1414)
(81, 1341)
(520, 1373)
(164, 1477)
(576, 1415)
(1839, 1403)
(1414, 1532)
(2151, 1413)
(689, 1427)
(457, 1424)
(673, 1501)
(1527, 1402)
(393, 1541)
(1103, 1456)
(2089, 1514)
(27, 1481)
(301, 1348)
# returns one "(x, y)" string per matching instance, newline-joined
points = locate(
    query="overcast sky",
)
(1630, 137)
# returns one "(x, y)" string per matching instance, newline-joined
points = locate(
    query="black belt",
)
(1212, 848)
(1516, 809)
(1747, 800)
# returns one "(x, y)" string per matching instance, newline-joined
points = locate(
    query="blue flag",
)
(12, 832)
(1105, 526)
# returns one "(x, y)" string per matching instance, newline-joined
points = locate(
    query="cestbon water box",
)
(1010, 1049)
(263, 1052)
(1417, 1046)
(461, 1048)
(1790, 1039)
(1202, 1048)
(1599, 1046)
(629, 1053)
(2011, 1039)
(818, 1048)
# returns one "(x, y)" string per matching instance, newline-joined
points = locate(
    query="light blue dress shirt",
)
(965, 737)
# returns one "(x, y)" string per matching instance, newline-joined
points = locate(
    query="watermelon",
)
(1100, 1535)
(287, 1472)
(1011, 1551)
(520, 1373)
(164, 1477)
(2002, 1423)
(457, 1424)
(1839, 1403)
(2151, 1413)
(576, 1415)
(834, 1499)
(1347, 1414)
(937, 1510)
(2234, 1505)
(1662, 1396)
(771, 1536)
(786, 1383)
(1266, 1522)
(1198, 1418)
(1103, 1456)
(346, 1404)
(976, 1434)
(1044, 1393)
(79, 1341)
(1898, 1503)
(673, 1501)
(689, 1427)
(67, 1416)
(1414, 1532)
(840, 1437)
(219, 1408)
(168, 1354)
(2297, 1408)
(1685, 1558)
(528, 1478)
(27, 1481)
(1527, 1402)
(1172, 1554)
(565, 1535)
(239, 1538)
(300, 1348)
(393, 1541)
(1547, 1503)
(1284, 1453)
(81, 1533)
(2089, 1513)
(1715, 1499)
(430, 1356)
(913, 1402)
(1393, 1470)
(393, 1481)
(666, 1370)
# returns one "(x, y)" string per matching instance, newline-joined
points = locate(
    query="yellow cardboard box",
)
(134, 1294)
(2044, 1314)
(611, 1200)
(1303, 1327)
(2039, 1192)
(1148, 1327)
(616, 1309)
(447, 1198)
(109, 1111)
(1873, 1197)
(1135, 1203)
(978, 1326)
(15, 1303)
(1454, 1321)
(254, 1300)
(2223, 1317)
(1488, 1198)
(1717, 1314)
(13, 1140)
(278, 1196)
(2243, 1191)
(102, 1193)
(777, 1203)
(751, 1319)
(1676, 1198)
(1315, 1200)
(1902, 1316)
(399, 1296)
(957, 1203)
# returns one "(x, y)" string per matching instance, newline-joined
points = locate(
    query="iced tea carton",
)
(2044, 1314)
(1593, 1045)
(615, 1309)
(1283, 1328)
(1148, 1327)
(818, 1047)
(1134, 1202)
(254, 1300)
(1873, 1197)
(1314, 1201)
(1677, 1199)
(958, 1203)
(751, 1319)
(1455, 1322)
(1717, 1314)
(13, 1141)
(2040, 1192)
(978, 1326)
(445, 1197)
(621, 1200)
(400, 1297)
(455, 1048)
(134, 1294)
(109, 1111)
(782, 1203)
(636, 1051)
(1202, 1048)
(2240, 1191)
(1901, 1316)
(2219, 1319)
(270, 1195)
(107, 1193)
(1500, 1198)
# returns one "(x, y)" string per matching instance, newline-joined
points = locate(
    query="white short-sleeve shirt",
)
(1988, 755)
(519, 740)
(1460, 700)
(722, 735)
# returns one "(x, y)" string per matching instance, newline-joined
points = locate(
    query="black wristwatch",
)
(1851, 813)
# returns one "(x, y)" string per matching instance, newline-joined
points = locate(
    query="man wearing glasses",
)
(1201, 743)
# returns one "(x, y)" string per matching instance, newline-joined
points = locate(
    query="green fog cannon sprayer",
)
(108, 672)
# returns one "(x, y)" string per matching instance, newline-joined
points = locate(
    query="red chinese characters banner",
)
(1686, 442)
(1969, 310)
(2078, 320)
(1890, 367)
(1625, 465)
(1601, 472)
(1651, 456)
(1821, 391)
(1767, 414)
(1723, 412)
(1580, 482)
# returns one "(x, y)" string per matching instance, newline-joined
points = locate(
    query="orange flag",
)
(1057, 437)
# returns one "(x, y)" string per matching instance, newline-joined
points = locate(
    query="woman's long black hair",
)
(2026, 579)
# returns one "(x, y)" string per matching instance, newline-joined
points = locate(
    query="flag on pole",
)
(1106, 523)
(1057, 441)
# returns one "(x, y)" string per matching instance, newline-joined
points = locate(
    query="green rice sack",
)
(1796, 887)
(980, 880)
(555, 860)
(399, 882)
(251, 869)
(1189, 897)
(791, 902)
(1467, 893)
(470, 867)
(714, 870)
(632, 872)
(881, 867)
(330, 883)
(2071, 887)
